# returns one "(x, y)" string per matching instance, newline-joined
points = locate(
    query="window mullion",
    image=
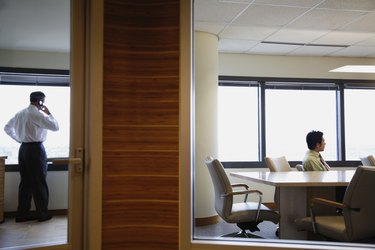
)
(340, 123)
(262, 120)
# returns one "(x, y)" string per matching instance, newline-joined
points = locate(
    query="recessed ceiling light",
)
(355, 69)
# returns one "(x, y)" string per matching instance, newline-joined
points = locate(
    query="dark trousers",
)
(32, 159)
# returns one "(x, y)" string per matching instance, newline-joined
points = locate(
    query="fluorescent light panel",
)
(355, 69)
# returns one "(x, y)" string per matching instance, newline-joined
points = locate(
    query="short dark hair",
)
(37, 96)
(313, 138)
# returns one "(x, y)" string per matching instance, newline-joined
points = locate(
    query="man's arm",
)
(46, 120)
(10, 130)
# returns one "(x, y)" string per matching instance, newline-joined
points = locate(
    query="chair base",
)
(242, 234)
(251, 226)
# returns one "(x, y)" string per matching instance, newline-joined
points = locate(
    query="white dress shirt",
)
(30, 125)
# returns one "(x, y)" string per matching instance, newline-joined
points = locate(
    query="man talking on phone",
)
(29, 127)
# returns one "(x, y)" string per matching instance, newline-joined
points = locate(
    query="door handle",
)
(65, 161)
(76, 161)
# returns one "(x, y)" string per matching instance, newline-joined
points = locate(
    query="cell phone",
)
(41, 105)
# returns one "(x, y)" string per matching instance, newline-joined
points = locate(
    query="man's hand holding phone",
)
(43, 108)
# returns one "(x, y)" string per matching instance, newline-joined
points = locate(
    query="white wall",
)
(34, 59)
(290, 66)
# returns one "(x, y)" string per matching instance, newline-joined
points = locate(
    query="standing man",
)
(29, 127)
(313, 160)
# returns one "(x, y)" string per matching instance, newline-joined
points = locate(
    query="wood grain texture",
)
(141, 124)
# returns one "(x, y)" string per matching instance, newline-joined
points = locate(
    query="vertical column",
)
(206, 87)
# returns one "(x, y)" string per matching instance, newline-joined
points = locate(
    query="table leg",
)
(294, 202)
(292, 205)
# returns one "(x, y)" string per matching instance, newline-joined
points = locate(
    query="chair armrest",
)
(325, 202)
(245, 192)
(238, 185)
(235, 185)
(328, 203)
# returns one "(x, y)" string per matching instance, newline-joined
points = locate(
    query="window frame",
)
(297, 83)
(34, 76)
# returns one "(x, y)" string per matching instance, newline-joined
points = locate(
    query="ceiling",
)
(290, 27)
(270, 27)
(36, 25)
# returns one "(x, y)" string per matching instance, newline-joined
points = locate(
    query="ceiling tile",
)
(272, 49)
(366, 24)
(210, 27)
(296, 35)
(358, 51)
(215, 10)
(325, 19)
(314, 50)
(255, 33)
(343, 38)
(331, 22)
(367, 42)
(364, 5)
(260, 15)
(234, 45)
(290, 3)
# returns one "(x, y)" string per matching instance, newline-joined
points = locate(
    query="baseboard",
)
(207, 221)
(52, 212)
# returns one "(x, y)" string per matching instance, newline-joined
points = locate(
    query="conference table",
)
(296, 188)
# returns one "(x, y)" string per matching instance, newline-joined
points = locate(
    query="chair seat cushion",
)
(330, 226)
(244, 212)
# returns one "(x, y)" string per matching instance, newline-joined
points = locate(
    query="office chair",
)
(368, 160)
(247, 215)
(277, 164)
(357, 221)
(299, 167)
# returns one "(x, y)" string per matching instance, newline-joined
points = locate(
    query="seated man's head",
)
(315, 141)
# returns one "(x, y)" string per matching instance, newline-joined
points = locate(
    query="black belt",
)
(35, 142)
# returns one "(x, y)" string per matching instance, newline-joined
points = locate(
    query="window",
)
(292, 113)
(359, 123)
(14, 96)
(238, 123)
(273, 118)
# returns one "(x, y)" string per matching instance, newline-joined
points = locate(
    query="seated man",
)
(313, 160)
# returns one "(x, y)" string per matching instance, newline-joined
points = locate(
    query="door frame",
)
(85, 189)
(92, 222)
